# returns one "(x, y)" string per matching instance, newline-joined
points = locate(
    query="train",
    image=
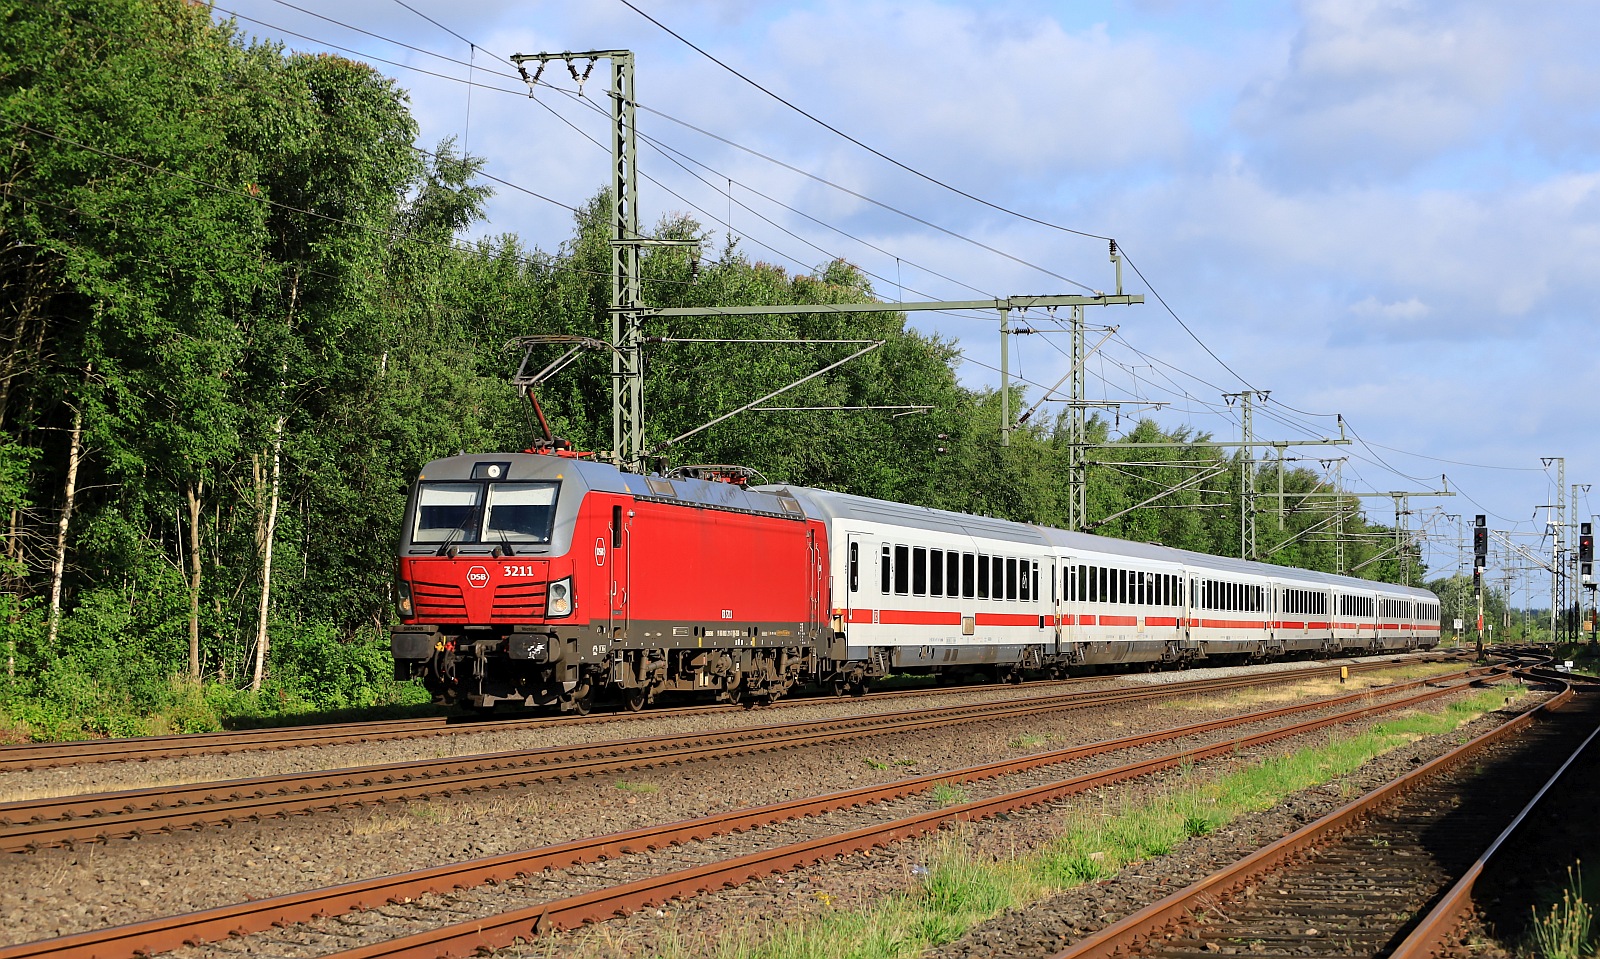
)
(543, 579)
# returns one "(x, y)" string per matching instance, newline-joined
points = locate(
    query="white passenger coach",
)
(917, 588)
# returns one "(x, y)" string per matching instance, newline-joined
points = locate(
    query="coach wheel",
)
(841, 688)
(636, 698)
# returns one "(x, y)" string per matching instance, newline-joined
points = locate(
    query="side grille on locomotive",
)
(519, 601)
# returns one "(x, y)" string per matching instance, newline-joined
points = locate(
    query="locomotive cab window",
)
(521, 513)
(447, 511)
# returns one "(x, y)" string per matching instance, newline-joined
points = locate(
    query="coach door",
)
(619, 566)
(859, 578)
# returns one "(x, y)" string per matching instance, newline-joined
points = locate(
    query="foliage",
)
(229, 263)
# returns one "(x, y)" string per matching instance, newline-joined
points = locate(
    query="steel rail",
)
(30, 756)
(468, 938)
(1430, 937)
(1124, 937)
(29, 825)
(160, 935)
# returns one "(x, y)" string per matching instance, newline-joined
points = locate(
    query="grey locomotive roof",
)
(605, 478)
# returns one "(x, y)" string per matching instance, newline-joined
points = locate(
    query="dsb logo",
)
(477, 577)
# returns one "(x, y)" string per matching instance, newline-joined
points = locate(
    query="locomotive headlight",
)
(561, 597)
(403, 599)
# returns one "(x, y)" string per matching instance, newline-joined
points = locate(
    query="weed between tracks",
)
(1322, 686)
(1567, 930)
(959, 888)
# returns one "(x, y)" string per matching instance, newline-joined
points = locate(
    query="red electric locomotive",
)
(540, 579)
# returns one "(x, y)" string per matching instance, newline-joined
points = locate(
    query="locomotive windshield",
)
(484, 513)
(520, 512)
(447, 511)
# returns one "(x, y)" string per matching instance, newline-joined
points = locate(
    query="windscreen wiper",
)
(505, 541)
(460, 527)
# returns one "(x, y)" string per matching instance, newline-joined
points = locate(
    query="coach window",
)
(935, 572)
(983, 576)
(997, 579)
(919, 571)
(952, 573)
(1024, 590)
(886, 573)
(902, 569)
(855, 567)
(969, 579)
(1011, 579)
(1035, 581)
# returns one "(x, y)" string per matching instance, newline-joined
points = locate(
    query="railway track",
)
(28, 756)
(901, 813)
(34, 824)
(1389, 874)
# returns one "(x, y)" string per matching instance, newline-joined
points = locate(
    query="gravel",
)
(60, 891)
(1040, 929)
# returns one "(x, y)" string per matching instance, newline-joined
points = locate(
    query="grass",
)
(962, 887)
(1310, 687)
(1030, 741)
(1567, 930)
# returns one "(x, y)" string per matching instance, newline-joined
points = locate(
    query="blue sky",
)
(1384, 210)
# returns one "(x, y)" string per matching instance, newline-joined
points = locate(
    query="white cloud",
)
(1377, 87)
(1410, 309)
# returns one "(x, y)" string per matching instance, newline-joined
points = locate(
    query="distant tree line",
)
(236, 319)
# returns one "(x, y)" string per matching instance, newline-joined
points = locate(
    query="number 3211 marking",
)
(518, 571)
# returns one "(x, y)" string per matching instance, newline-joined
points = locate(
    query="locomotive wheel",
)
(636, 698)
(581, 699)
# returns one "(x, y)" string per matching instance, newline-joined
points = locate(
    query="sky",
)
(1385, 212)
